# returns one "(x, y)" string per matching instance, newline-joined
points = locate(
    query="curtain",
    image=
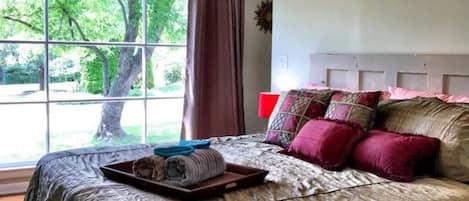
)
(213, 102)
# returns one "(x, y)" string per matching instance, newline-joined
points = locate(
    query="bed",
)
(75, 174)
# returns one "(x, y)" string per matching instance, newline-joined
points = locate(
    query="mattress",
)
(75, 175)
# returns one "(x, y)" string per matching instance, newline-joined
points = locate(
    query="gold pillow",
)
(434, 118)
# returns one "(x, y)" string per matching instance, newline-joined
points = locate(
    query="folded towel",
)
(151, 167)
(188, 170)
(173, 151)
(197, 144)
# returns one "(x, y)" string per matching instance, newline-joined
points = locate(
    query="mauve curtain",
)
(213, 104)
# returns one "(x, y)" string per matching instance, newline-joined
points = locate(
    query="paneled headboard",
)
(438, 73)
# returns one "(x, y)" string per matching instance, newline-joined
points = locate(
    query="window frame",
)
(47, 43)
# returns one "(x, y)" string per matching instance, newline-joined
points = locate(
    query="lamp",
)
(267, 101)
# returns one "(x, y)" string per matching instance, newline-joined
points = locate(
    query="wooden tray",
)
(235, 177)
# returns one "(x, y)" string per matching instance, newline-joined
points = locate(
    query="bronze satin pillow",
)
(433, 118)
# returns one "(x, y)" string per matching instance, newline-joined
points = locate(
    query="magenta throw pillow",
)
(326, 143)
(354, 107)
(297, 108)
(395, 156)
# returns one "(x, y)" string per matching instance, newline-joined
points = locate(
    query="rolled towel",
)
(173, 150)
(197, 144)
(201, 165)
(151, 167)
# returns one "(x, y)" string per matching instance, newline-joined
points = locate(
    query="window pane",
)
(76, 72)
(167, 21)
(166, 71)
(164, 120)
(23, 129)
(75, 125)
(21, 20)
(95, 20)
(21, 72)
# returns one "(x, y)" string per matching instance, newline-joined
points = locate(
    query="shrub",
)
(173, 74)
(21, 74)
(93, 72)
(93, 80)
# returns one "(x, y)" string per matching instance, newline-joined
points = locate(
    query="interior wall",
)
(257, 65)
(305, 27)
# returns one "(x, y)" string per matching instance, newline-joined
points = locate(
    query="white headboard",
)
(438, 73)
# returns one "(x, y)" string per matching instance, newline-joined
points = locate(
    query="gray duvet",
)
(75, 175)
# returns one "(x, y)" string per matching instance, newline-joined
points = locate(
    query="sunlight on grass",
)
(157, 133)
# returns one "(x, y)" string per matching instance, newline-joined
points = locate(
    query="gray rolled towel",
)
(151, 167)
(201, 165)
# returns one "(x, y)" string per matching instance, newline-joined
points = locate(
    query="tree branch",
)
(123, 12)
(106, 83)
(80, 31)
(74, 21)
(96, 50)
(23, 23)
(105, 74)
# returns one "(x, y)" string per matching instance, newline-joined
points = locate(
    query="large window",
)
(80, 73)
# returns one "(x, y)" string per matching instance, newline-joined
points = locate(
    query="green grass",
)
(85, 137)
(157, 133)
(177, 87)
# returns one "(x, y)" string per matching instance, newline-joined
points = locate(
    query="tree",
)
(71, 20)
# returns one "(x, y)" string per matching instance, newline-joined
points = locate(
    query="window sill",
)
(15, 180)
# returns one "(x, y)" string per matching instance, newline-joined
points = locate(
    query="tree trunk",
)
(130, 65)
(41, 78)
(1, 75)
(129, 68)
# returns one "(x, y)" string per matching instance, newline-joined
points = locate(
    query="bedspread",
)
(75, 175)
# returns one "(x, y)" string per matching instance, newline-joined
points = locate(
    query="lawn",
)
(74, 124)
(157, 133)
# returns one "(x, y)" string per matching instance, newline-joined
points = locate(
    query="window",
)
(80, 73)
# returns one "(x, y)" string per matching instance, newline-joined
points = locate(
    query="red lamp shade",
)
(267, 101)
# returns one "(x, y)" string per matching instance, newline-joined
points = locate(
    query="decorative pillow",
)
(385, 95)
(458, 99)
(276, 109)
(327, 143)
(394, 156)
(434, 118)
(403, 93)
(298, 107)
(354, 107)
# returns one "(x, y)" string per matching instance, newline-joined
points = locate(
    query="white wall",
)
(256, 71)
(304, 27)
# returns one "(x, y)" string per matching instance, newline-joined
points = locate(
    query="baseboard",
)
(13, 188)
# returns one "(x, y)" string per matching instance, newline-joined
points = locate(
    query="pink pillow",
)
(326, 143)
(458, 99)
(315, 86)
(310, 85)
(395, 156)
(403, 93)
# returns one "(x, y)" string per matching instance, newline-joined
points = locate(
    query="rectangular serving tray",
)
(235, 177)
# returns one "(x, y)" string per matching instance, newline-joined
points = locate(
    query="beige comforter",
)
(74, 175)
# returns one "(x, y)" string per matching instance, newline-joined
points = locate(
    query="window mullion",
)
(144, 70)
(46, 71)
